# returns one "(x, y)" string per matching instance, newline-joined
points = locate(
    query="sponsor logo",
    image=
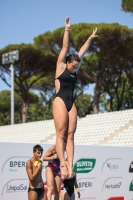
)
(16, 188)
(85, 184)
(84, 165)
(17, 163)
(131, 186)
(112, 166)
(113, 186)
(14, 164)
(116, 198)
(72, 75)
(113, 183)
(131, 168)
(87, 187)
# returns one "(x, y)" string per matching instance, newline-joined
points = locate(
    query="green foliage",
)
(42, 109)
(118, 94)
(84, 105)
(33, 64)
(127, 5)
(108, 64)
(5, 102)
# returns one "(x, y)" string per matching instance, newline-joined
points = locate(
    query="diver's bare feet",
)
(64, 171)
(70, 171)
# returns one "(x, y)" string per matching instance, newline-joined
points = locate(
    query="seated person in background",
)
(34, 172)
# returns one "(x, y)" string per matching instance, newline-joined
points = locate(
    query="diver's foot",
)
(64, 172)
(71, 172)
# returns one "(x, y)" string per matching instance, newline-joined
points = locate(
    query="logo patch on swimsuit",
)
(72, 75)
(84, 165)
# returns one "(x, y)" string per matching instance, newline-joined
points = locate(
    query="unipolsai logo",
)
(131, 186)
(113, 167)
(84, 165)
(16, 188)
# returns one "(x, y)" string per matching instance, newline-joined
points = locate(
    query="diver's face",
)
(72, 66)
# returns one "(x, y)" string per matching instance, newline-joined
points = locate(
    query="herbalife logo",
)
(115, 186)
(84, 165)
(112, 166)
(131, 186)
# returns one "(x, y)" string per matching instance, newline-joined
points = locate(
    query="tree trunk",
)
(97, 95)
(25, 107)
(111, 104)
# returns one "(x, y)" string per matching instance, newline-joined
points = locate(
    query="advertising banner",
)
(103, 172)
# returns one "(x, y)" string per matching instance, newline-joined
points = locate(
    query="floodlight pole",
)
(9, 58)
(12, 93)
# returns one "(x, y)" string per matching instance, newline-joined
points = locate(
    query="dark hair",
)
(37, 147)
(72, 57)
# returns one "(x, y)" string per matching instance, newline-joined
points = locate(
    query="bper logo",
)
(84, 165)
(116, 198)
(131, 186)
(14, 164)
(131, 168)
(17, 163)
(85, 184)
(112, 167)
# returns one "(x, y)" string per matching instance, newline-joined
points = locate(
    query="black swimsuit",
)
(69, 186)
(67, 85)
(54, 165)
(39, 191)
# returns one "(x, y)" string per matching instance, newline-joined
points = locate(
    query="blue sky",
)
(21, 21)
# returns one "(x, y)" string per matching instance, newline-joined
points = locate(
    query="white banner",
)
(103, 172)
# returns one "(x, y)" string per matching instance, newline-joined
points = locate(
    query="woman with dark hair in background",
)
(64, 110)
